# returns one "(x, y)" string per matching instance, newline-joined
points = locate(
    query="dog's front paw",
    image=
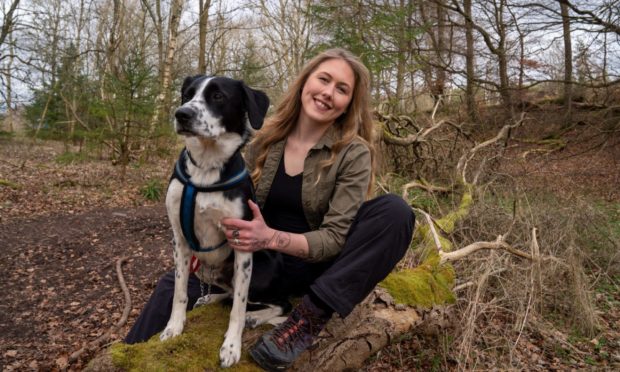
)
(230, 352)
(171, 331)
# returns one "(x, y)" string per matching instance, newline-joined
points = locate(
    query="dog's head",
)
(212, 106)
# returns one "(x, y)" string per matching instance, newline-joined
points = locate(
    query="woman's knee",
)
(393, 208)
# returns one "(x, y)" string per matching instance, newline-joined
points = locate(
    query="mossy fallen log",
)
(196, 349)
(344, 344)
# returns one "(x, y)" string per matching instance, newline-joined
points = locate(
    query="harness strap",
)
(190, 192)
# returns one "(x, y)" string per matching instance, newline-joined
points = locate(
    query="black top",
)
(283, 209)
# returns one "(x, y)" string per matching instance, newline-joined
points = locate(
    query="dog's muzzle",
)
(185, 116)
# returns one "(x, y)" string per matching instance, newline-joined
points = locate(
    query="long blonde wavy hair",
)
(356, 122)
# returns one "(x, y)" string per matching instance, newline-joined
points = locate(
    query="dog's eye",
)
(217, 97)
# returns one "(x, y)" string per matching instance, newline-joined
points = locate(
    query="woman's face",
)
(327, 92)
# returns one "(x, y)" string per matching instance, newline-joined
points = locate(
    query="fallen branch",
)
(121, 322)
(431, 225)
(418, 185)
(498, 244)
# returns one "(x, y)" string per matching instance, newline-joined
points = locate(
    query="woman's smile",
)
(327, 92)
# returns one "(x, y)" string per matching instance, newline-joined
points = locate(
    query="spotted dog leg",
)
(230, 352)
(179, 302)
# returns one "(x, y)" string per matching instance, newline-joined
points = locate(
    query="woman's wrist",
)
(279, 240)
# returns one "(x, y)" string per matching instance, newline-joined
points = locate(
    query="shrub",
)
(152, 190)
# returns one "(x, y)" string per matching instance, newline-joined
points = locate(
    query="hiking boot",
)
(277, 349)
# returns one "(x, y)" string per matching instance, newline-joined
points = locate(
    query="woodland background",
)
(512, 105)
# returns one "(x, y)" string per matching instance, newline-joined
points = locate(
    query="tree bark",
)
(347, 343)
(9, 22)
(568, 61)
(163, 98)
(9, 89)
(203, 18)
(470, 92)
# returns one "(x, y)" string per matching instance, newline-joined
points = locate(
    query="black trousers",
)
(377, 240)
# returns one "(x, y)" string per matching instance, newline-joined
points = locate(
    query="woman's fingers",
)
(255, 210)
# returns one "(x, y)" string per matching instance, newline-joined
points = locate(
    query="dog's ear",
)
(257, 104)
(188, 80)
(186, 84)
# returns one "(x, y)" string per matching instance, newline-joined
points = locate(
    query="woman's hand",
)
(248, 236)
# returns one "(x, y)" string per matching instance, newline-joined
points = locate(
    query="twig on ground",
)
(121, 322)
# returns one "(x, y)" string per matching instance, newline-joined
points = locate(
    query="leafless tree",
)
(203, 18)
(568, 59)
(8, 22)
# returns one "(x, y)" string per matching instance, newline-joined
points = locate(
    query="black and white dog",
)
(210, 182)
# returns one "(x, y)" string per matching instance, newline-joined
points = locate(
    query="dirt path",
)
(59, 283)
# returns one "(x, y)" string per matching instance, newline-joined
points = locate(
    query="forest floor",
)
(65, 222)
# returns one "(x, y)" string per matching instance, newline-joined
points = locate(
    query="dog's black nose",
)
(184, 114)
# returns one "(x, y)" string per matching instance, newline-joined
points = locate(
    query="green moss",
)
(448, 222)
(196, 349)
(9, 184)
(426, 285)
(430, 283)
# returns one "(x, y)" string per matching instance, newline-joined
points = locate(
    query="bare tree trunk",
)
(568, 61)
(162, 101)
(53, 70)
(498, 49)
(203, 18)
(9, 89)
(158, 24)
(401, 64)
(73, 99)
(114, 38)
(435, 74)
(440, 72)
(470, 92)
(9, 22)
(502, 58)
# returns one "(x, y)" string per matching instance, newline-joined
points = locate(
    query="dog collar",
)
(233, 173)
(231, 176)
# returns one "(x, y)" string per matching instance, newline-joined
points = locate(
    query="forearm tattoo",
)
(283, 239)
(280, 240)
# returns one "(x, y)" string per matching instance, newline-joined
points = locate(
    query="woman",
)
(313, 164)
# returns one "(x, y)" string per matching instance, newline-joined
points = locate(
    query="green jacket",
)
(330, 205)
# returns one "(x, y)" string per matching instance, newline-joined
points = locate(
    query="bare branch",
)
(423, 186)
(461, 166)
(9, 22)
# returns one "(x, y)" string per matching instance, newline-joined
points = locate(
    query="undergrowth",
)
(507, 302)
(152, 190)
(69, 157)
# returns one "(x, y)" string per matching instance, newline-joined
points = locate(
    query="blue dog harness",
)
(233, 175)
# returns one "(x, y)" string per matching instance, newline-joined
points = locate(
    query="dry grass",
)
(509, 292)
(514, 313)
